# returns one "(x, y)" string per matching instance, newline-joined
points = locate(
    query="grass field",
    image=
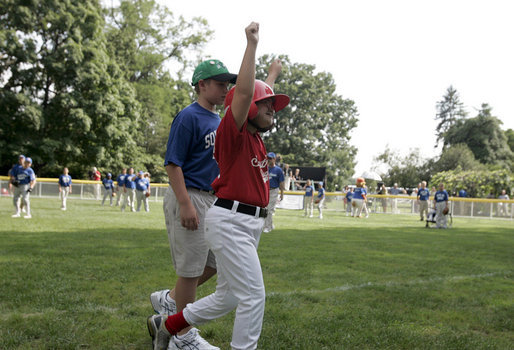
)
(81, 279)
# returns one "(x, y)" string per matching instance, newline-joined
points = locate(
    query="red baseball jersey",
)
(243, 164)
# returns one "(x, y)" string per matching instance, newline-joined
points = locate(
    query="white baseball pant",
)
(20, 193)
(65, 191)
(142, 198)
(440, 218)
(359, 205)
(129, 198)
(234, 238)
(107, 192)
(308, 205)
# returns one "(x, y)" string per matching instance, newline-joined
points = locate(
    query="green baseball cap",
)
(212, 69)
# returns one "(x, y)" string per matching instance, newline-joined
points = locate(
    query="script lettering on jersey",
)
(263, 167)
(210, 139)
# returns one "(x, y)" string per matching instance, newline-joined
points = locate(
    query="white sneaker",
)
(158, 332)
(17, 215)
(28, 216)
(162, 303)
(190, 340)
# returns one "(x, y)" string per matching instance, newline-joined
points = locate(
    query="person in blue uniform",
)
(308, 199)
(26, 180)
(142, 188)
(129, 189)
(423, 196)
(64, 187)
(276, 184)
(441, 204)
(120, 181)
(108, 188)
(320, 199)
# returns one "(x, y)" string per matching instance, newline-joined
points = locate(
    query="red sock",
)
(176, 323)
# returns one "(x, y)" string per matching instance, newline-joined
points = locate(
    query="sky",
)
(394, 58)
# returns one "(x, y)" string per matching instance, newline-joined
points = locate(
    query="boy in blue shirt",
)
(108, 188)
(64, 187)
(349, 207)
(276, 184)
(26, 180)
(441, 205)
(129, 190)
(321, 199)
(423, 196)
(308, 199)
(142, 188)
(120, 181)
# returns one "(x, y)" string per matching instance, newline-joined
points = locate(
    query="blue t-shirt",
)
(108, 183)
(276, 176)
(359, 192)
(423, 194)
(15, 169)
(441, 196)
(308, 191)
(349, 196)
(142, 184)
(191, 145)
(321, 192)
(463, 193)
(130, 181)
(25, 176)
(121, 179)
(394, 191)
(65, 180)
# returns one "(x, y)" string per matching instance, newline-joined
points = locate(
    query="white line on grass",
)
(391, 284)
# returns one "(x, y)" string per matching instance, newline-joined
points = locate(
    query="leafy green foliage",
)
(453, 157)
(67, 103)
(484, 137)
(314, 130)
(449, 110)
(478, 183)
(407, 171)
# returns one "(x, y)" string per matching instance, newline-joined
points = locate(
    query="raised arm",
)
(243, 93)
(274, 70)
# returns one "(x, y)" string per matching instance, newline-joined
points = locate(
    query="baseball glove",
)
(147, 194)
(316, 201)
(114, 194)
(354, 204)
(446, 211)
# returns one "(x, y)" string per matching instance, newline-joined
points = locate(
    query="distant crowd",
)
(130, 188)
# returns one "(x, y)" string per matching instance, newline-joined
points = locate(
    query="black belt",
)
(241, 207)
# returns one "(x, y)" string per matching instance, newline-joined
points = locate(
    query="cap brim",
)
(281, 101)
(231, 78)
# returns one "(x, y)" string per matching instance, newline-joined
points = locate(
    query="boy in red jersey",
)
(234, 223)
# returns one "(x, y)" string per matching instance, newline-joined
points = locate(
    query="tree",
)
(145, 37)
(456, 156)
(65, 101)
(314, 130)
(449, 111)
(510, 138)
(484, 137)
(407, 171)
(478, 183)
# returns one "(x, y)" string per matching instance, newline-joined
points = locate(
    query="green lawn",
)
(81, 279)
